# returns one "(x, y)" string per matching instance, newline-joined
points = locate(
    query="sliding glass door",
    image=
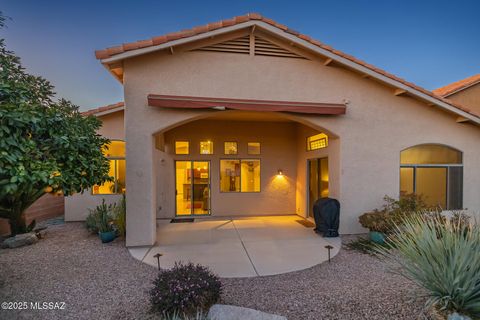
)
(192, 188)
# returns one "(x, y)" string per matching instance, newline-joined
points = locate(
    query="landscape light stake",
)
(329, 247)
(158, 255)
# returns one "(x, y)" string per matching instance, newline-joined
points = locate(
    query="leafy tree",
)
(46, 146)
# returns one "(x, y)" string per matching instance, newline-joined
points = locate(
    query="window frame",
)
(308, 143)
(115, 159)
(446, 166)
(259, 148)
(175, 148)
(240, 177)
(200, 148)
(230, 154)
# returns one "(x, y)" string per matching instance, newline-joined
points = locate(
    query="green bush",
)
(100, 219)
(392, 213)
(442, 256)
(185, 289)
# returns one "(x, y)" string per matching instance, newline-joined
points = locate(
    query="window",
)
(182, 147)
(253, 148)
(435, 172)
(115, 152)
(206, 147)
(317, 141)
(230, 147)
(240, 175)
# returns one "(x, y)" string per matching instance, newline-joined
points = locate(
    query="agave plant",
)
(443, 257)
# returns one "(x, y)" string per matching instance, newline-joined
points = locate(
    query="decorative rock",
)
(456, 316)
(227, 312)
(20, 240)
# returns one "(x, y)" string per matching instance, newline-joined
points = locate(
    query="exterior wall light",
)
(280, 172)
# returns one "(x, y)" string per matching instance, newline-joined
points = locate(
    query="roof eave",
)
(308, 45)
(448, 94)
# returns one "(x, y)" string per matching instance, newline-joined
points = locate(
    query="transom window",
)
(182, 147)
(115, 152)
(240, 175)
(206, 147)
(435, 172)
(253, 148)
(317, 141)
(230, 147)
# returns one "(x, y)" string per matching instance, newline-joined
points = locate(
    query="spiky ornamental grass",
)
(443, 257)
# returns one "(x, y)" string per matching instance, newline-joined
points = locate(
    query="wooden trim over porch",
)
(188, 102)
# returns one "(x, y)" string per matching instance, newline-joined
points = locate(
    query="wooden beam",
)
(365, 76)
(461, 119)
(327, 62)
(171, 50)
(399, 92)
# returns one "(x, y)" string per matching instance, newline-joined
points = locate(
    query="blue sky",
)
(430, 43)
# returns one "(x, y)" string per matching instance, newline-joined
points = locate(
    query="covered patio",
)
(240, 247)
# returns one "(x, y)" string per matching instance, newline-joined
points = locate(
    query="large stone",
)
(20, 240)
(227, 312)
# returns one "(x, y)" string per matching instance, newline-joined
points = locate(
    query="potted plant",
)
(378, 223)
(100, 221)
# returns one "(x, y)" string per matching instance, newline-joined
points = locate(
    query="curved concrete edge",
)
(228, 312)
(139, 253)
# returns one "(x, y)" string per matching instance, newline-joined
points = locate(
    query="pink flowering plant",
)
(185, 289)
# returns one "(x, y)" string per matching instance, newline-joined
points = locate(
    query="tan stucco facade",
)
(377, 126)
(364, 144)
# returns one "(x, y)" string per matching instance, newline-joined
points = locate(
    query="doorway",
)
(192, 188)
(317, 181)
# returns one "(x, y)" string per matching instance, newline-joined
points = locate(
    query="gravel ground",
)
(104, 282)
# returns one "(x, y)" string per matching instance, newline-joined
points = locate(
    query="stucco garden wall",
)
(376, 127)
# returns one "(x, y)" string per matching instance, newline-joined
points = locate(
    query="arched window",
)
(115, 152)
(434, 171)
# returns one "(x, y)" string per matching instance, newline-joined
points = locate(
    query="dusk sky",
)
(429, 43)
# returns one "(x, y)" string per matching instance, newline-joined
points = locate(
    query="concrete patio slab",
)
(243, 247)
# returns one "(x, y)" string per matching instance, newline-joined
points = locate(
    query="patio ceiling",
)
(188, 102)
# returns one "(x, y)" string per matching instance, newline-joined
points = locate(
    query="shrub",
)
(121, 216)
(392, 213)
(446, 263)
(100, 219)
(185, 289)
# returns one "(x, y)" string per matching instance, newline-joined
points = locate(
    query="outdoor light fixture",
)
(328, 247)
(220, 108)
(280, 172)
(158, 255)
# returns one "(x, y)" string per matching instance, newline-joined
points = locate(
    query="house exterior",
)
(248, 117)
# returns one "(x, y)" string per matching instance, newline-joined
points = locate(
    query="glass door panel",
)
(183, 187)
(317, 181)
(313, 184)
(201, 188)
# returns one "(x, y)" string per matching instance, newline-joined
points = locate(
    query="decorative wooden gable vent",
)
(251, 44)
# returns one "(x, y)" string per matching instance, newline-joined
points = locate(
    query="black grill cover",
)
(326, 212)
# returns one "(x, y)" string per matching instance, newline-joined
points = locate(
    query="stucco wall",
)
(77, 205)
(377, 126)
(469, 97)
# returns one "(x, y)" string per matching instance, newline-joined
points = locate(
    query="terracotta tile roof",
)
(110, 52)
(457, 86)
(103, 109)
